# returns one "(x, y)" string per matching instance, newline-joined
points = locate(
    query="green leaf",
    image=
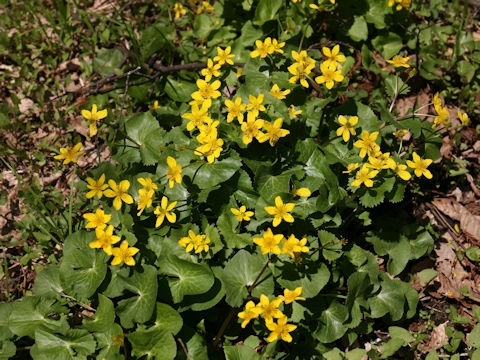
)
(47, 282)
(331, 325)
(370, 197)
(5, 310)
(269, 186)
(355, 354)
(401, 333)
(185, 277)
(138, 308)
(7, 350)
(73, 345)
(210, 175)
(82, 268)
(391, 300)
(240, 352)
(180, 90)
(144, 129)
(312, 278)
(426, 275)
(390, 347)
(227, 225)
(395, 85)
(388, 44)
(155, 344)
(240, 272)
(331, 246)
(107, 60)
(466, 70)
(473, 253)
(32, 313)
(167, 319)
(266, 10)
(359, 29)
(105, 341)
(104, 316)
(207, 300)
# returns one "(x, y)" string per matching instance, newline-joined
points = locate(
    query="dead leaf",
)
(25, 105)
(469, 223)
(437, 338)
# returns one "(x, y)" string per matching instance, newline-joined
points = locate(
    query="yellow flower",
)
(179, 10)
(401, 170)
(273, 132)
(239, 72)
(364, 175)
(251, 128)
(251, 312)
(333, 55)
(277, 47)
(381, 161)
(147, 183)
(235, 109)
(347, 127)
(242, 213)
(198, 116)
(463, 118)
(303, 60)
(92, 118)
(290, 296)
(300, 73)
(399, 61)
(193, 241)
(280, 329)
(206, 90)
(145, 198)
(69, 154)
(255, 105)
(105, 240)
(442, 118)
(96, 187)
(224, 56)
(290, 245)
(124, 254)
(420, 166)
(437, 100)
(163, 211)
(292, 112)
(281, 211)
(269, 242)
(208, 132)
(269, 309)
(211, 149)
(279, 94)
(330, 75)
(119, 193)
(400, 133)
(174, 172)
(303, 192)
(367, 143)
(211, 70)
(97, 220)
(155, 106)
(351, 167)
(263, 48)
(400, 4)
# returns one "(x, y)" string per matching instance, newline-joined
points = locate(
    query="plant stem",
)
(233, 310)
(5, 272)
(70, 202)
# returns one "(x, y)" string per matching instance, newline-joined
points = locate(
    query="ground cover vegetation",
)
(240, 179)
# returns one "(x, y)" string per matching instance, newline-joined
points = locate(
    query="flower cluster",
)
(267, 47)
(269, 310)
(302, 69)
(377, 160)
(400, 4)
(271, 242)
(195, 242)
